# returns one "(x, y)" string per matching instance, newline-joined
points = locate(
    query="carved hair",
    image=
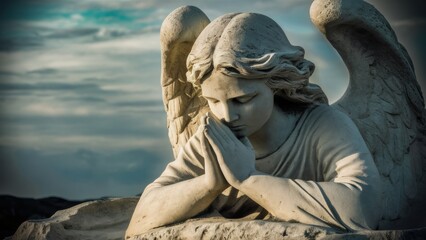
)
(274, 59)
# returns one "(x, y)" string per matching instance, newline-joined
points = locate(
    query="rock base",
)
(220, 228)
(109, 218)
(259, 229)
(101, 219)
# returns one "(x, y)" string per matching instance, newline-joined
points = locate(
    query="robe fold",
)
(332, 178)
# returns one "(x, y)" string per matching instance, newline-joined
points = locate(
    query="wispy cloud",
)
(93, 173)
(73, 33)
(46, 86)
(81, 96)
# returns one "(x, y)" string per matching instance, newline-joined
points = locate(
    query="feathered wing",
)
(182, 102)
(383, 98)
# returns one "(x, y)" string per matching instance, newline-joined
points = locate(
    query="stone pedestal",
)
(109, 218)
(101, 219)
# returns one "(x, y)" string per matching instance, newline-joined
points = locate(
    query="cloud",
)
(73, 33)
(47, 86)
(65, 134)
(94, 174)
(80, 93)
(134, 44)
(40, 103)
(65, 22)
(86, 99)
(90, 56)
(58, 110)
(138, 104)
(8, 44)
(39, 93)
(77, 17)
(104, 33)
(43, 71)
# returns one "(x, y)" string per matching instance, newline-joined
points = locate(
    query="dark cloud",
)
(95, 79)
(31, 37)
(48, 86)
(44, 71)
(30, 172)
(9, 44)
(17, 9)
(18, 35)
(73, 33)
(89, 34)
(5, 74)
(93, 125)
(141, 103)
(82, 90)
(85, 99)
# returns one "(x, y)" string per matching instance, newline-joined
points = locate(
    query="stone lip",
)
(220, 228)
(109, 218)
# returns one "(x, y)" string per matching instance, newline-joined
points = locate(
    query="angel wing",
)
(383, 98)
(182, 102)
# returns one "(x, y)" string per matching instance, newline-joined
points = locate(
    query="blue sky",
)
(81, 109)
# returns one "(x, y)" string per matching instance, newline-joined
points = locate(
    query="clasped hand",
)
(228, 160)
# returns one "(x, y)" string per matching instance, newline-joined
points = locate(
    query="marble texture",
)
(355, 165)
(100, 219)
(384, 100)
(361, 163)
(107, 219)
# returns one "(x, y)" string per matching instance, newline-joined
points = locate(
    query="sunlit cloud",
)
(130, 45)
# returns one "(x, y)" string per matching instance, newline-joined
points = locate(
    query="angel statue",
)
(253, 139)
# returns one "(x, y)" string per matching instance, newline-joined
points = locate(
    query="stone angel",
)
(253, 139)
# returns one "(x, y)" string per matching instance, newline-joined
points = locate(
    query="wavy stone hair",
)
(287, 71)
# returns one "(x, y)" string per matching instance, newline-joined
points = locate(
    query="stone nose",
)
(229, 113)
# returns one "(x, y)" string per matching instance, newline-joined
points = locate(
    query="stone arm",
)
(186, 189)
(316, 203)
(348, 198)
(168, 204)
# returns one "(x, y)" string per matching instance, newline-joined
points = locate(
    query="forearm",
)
(170, 204)
(316, 203)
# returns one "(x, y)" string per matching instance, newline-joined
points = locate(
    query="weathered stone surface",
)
(100, 219)
(357, 168)
(235, 229)
(330, 180)
(219, 228)
(108, 219)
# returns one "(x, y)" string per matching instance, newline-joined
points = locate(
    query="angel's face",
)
(244, 105)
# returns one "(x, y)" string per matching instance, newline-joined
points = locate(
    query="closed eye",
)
(245, 99)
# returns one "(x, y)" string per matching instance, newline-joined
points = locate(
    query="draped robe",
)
(324, 150)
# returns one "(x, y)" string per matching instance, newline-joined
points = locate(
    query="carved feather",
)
(182, 102)
(383, 98)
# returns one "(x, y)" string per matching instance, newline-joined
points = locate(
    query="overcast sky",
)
(81, 109)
